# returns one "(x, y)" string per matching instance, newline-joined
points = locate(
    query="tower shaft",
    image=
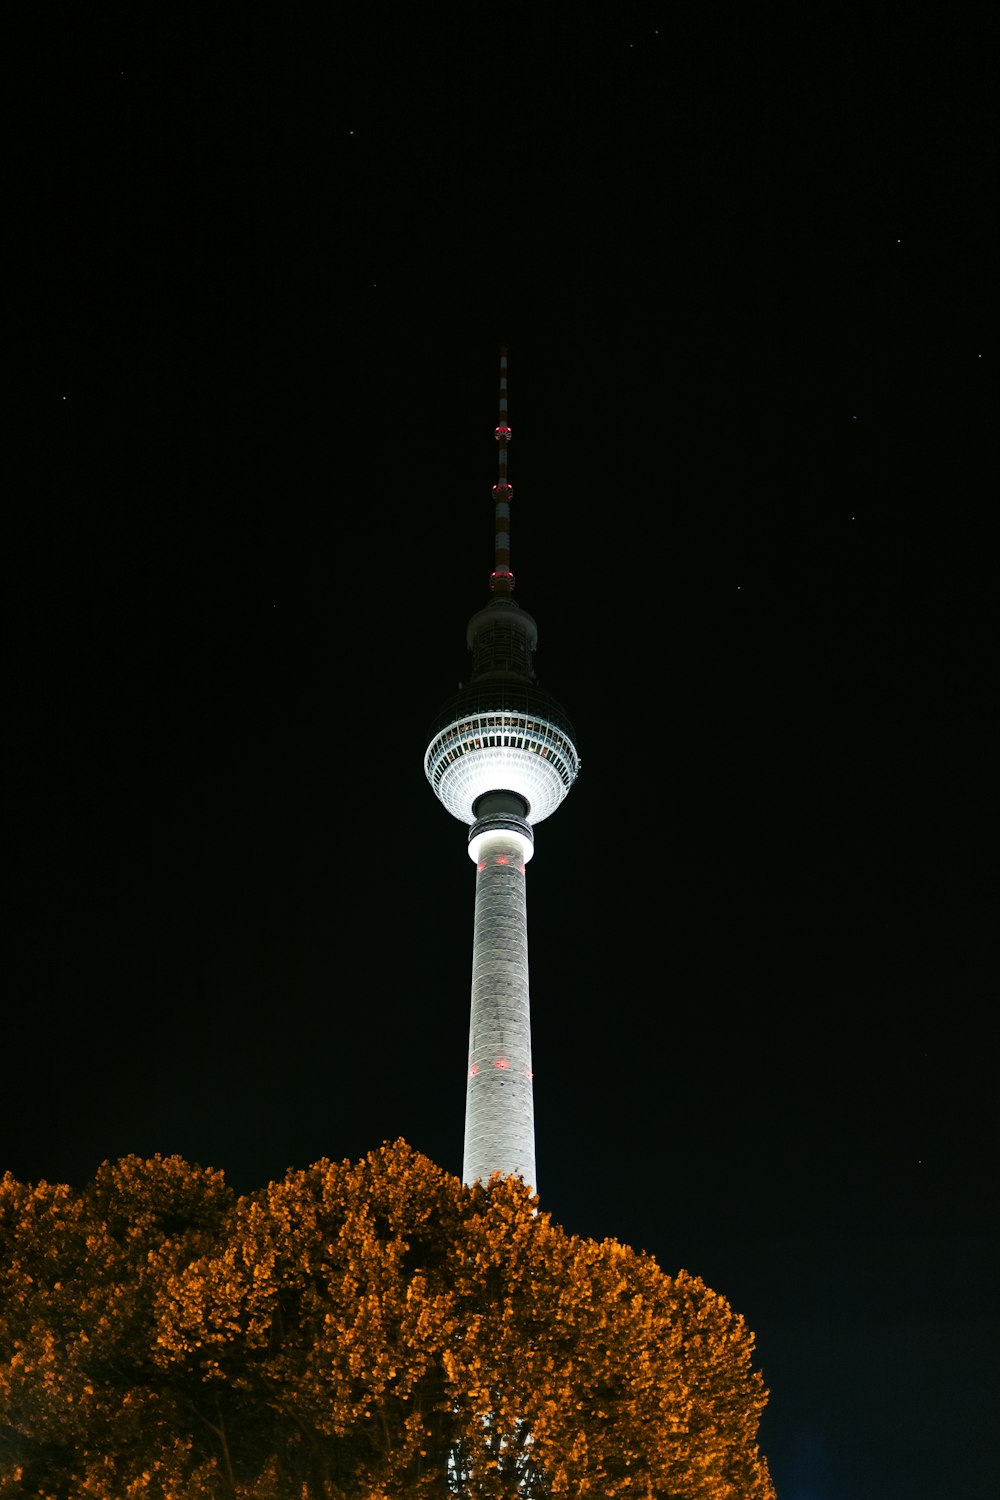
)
(499, 1105)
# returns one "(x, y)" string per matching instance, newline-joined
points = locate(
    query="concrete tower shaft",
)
(499, 1103)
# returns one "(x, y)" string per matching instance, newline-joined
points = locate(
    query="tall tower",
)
(501, 758)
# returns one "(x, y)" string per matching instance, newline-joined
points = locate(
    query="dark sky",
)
(262, 266)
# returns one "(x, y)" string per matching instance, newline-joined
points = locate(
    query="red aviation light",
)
(503, 491)
(502, 433)
(503, 859)
(501, 1063)
(474, 1070)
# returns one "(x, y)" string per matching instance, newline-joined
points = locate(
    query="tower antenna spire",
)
(502, 579)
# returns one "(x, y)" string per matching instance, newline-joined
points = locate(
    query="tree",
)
(356, 1330)
(82, 1401)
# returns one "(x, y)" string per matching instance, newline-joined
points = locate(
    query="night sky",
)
(262, 264)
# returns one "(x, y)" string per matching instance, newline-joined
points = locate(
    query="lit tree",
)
(82, 1401)
(356, 1330)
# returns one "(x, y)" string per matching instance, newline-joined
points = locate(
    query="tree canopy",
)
(370, 1329)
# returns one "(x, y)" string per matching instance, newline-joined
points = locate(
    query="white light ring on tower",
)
(523, 842)
(462, 766)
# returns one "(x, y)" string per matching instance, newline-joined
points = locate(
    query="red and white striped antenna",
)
(502, 579)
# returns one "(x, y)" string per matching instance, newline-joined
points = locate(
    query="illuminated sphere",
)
(501, 732)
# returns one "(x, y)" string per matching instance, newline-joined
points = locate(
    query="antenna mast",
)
(502, 579)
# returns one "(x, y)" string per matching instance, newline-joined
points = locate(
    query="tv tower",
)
(501, 758)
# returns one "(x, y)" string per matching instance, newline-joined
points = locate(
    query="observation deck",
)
(501, 734)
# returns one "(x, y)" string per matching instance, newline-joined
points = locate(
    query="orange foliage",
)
(368, 1329)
